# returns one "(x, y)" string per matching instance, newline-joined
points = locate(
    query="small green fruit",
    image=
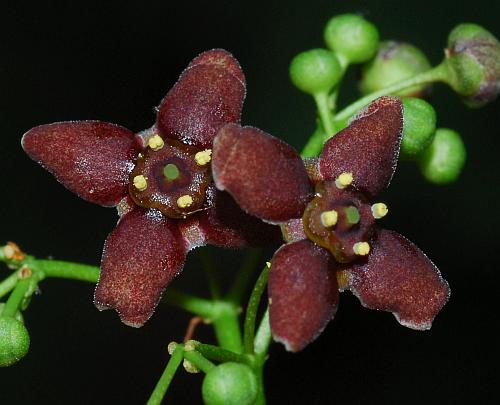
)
(14, 341)
(230, 384)
(443, 160)
(395, 61)
(419, 125)
(352, 37)
(473, 62)
(315, 71)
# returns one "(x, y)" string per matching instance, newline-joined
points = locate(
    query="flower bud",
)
(315, 71)
(351, 37)
(230, 384)
(473, 61)
(14, 341)
(395, 61)
(443, 160)
(419, 125)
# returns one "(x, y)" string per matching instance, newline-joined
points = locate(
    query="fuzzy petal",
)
(141, 256)
(399, 278)
(303, 293)
(368, 147)
(266, 176)
(92, 159)
(226, 225)
(208, 95)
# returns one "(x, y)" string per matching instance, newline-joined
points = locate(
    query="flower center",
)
(171, 177)
(340, 219)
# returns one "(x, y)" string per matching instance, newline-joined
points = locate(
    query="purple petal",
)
(208, 95)
(397, 277)
(266, 176)
(368, 147)
(92, 159)
(303, 293)
(226, 225)
(141, 256)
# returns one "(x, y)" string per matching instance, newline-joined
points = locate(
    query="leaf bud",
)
(394, 62)
(230, 384)
(352, 37)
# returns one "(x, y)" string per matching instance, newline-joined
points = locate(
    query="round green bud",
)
(14, 341)
(419, 125)
(395, 61)
(443, 160)
(230, 384)
(315, 71)
(473, 62)
(352, 37)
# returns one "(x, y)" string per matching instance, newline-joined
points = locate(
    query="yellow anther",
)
(155, 142)
(140, 183)
(190, 367)
(361, 248)
(268, 264)
(344, 180)
(203, 157)
(329, 218)
(379, 210)
(185, 201)
(171, 347)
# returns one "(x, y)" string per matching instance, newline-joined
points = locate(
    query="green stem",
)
(60, 269)
(263, 337)
(435, 74)
(198, 360)
(227, 330)
(216, 353)
(207, 309)
(16, 298)
(208, 266)
(252, 308)
(315, 143)
(324, 113)
(8, 284)
(167, 376)
(245, 273)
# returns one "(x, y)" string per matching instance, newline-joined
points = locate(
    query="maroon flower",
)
(333, 242)
(161, 181)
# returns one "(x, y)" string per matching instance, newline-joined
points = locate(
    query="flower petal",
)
(399, 278)
(208, 95)
(92, 159)
(368, 147)
(141, 256)
(226, 225)
(303, 293)
(265, 175)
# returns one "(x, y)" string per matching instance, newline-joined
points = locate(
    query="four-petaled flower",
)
(333, 243)
(161, 181)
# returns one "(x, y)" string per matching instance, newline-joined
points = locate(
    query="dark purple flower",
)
(161, 181)
(326, 210)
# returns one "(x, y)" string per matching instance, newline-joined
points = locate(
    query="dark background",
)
(114, 61)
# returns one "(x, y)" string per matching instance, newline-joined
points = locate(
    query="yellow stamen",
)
(329, 218)
(140, 183)
(379, 210)
(155, 142)
(184, 201)
(203, 157)
(361, 248)
(171, 347)
(268, 264)
(190, 367)
(344, 180)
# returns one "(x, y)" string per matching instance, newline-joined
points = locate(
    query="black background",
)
(114, 61)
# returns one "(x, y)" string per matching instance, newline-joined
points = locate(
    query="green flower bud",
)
(395, 61)
(315, 71)
(14, 341)
(352, 37)
(419, 125)
(444, 159)
(230, 384)
(473, 61)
